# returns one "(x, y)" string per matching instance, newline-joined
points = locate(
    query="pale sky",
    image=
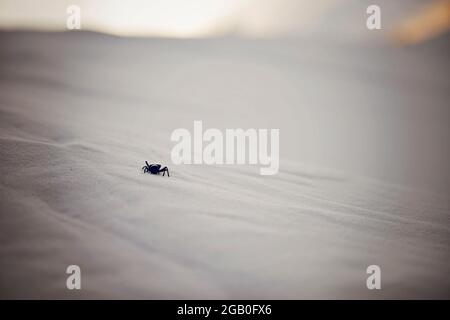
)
(180, 18)
(202, 18)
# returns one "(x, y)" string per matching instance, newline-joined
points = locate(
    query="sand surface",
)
(80, 112)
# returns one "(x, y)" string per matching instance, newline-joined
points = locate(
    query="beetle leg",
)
(164, 170)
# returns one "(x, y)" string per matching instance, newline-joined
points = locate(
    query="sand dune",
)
(80, 114)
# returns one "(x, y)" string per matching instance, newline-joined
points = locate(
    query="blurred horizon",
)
(341, 19)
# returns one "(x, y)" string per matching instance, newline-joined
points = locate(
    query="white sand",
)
(79, 114)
